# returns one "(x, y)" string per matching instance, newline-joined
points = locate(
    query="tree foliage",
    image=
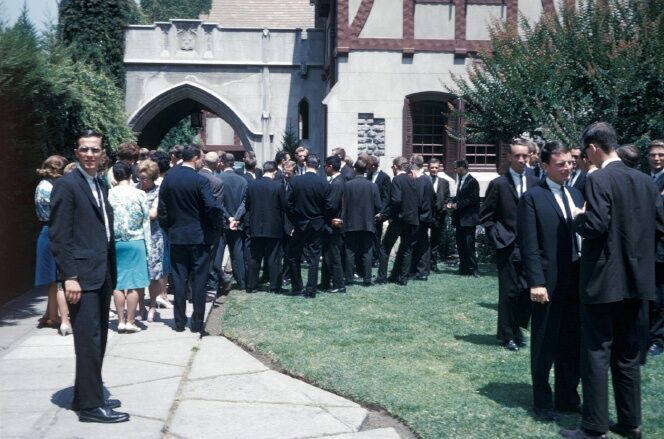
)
(182, 133)
(95, 31)
(290, 140)
(603, 60)
(164, 10)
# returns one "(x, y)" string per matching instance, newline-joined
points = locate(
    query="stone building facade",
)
(365, 75)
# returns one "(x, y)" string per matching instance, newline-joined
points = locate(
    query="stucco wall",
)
(385, 20)
(434, 21)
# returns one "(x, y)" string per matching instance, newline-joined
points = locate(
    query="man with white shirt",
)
(550, 253)
(656, 337)
(465, 207)
(498, 215)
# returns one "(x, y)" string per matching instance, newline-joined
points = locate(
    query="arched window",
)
(428, 135)
(303, 120)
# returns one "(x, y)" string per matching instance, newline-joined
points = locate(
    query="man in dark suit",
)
(191, 218)
(465, 208)
(346, 171)
(404, 219)
(249, 171)
(585, 167)
(441, 189)
(656, 314)
(361, 206)
(498, 215)
(280, 158)
(219, 280)
(306, 207)
(301, 154)
(382, 180)
(264, 224)
(421, 261)
(81, 234)
(333, 233)
(550, 252)
(235, 189)
(623, 213)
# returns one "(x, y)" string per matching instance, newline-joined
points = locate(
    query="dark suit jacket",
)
(620, 226)
(334, 202)
(235, 189)
(659, 184)
(545, 241)
(427, 198)
(362, 203)
(306, 202)
(187, 210)
(215, 185)
(404, 200)
(242, 172)
(78, 234)
(498, 213)
(347, 173)
(266, 207)
(442, 196)
(384, 185)
(580, 182)
(467, 198)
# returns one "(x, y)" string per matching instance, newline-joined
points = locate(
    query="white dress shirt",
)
(519, 181)
(557, 189)
(96, 192)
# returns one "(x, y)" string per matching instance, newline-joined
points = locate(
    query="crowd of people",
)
(573, 261)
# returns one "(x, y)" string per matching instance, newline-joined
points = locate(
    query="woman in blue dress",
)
(45, 269)
(131, 225)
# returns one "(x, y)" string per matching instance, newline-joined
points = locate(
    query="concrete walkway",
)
(173, 384)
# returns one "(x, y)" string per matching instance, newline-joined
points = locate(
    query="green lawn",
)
(426, 352)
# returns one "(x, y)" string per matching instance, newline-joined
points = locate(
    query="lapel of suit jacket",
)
(510, 182)
(552, 199)
(85, 187)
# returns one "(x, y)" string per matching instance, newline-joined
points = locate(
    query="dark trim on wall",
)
(361, 18)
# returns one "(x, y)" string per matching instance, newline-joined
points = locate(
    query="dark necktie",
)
(568, 214)
(100, 203)
(433, 179)
(522, 186)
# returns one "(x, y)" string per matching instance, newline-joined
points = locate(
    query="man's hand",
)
(378, 217)
(539, 294)
(451, 206)
(337, 223)
(578, 211)
(72, 291)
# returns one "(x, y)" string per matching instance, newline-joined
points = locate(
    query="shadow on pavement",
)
(25, 306)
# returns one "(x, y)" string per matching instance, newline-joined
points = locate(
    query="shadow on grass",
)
(510, 395)
(487, 305)
(479, 339)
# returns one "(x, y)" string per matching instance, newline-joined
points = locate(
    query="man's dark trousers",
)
(270, 251)
(406, 232)
(301, 238)
(555, 339)
(189, 264)
(235, 240)
(89, 319)
(465, 240)
(438, 245)
(359, 245)
(602, 323)
(421, 261)
(332, 260)
(513, 296)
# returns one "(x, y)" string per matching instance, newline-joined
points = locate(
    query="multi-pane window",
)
(429, 134)
(481, 153)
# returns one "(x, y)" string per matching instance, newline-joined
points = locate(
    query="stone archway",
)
(154, 118)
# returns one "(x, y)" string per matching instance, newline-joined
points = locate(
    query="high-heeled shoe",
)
(163, 303)
(65, 330)
(131, 328)
(121, 327)
(45, 322)
(151, 315)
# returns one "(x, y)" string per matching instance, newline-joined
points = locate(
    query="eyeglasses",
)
(85, 149)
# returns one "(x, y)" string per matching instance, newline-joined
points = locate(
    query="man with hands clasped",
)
(550, 250)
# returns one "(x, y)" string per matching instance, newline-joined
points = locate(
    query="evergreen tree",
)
(95, 30)
(290, 140)
(164, 10)
(182, 133)
(603, 60)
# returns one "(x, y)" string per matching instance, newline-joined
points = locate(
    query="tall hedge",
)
(95, 31)
(603, 60)
(164, 10)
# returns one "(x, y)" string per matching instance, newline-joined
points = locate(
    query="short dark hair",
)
(121, 171)
(128, 151)
(312, 161)
(250, 162)
(88, 132)
(227, 158)
(434, 161)
(657, 143)
(461, 164)
(280, 155)
(190, 152)
(417, 161)
(360, 166)
(551, 148)
(333, 161)
(176, 150)
(270, 166)
(340, 152)
(602, 134)
(630, 155)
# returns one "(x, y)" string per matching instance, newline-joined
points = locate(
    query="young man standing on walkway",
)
(81, 233)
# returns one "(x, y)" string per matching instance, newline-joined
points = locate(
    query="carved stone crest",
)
(187, 39)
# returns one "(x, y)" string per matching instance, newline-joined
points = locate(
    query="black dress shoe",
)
(251, 290)
(570, 408)
(628, 432)
(510, 345)
(367, 284)
(476, 275)
(337, 290)
(546, 415)
(579, 434)
(520, 342)
(380, 281)
(311, 294)
(422, 278)
(109, 404)
(179, 328)
(196, 328)
(655, 349)
(102, 415)
(296, 293)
